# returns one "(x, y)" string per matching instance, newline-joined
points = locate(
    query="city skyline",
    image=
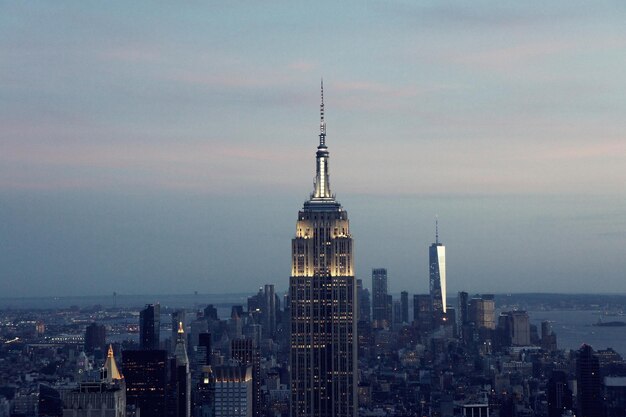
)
(133, 156)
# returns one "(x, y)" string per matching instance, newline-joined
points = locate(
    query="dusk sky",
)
(166, 147)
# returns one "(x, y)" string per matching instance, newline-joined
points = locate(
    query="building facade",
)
(149, 327)
(232, 387)
(322, 292)
(381, 308)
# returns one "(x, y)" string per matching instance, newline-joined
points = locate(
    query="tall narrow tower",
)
(323, 300)
(437, 261)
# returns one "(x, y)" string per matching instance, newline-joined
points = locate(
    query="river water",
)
(575, 327)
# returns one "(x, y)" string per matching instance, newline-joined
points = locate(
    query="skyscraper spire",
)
(322, 122)
(322, 183)
(437, 230)
(180, 352)
(110, 372)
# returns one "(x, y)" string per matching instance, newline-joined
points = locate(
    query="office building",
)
(364, 303)
(422, 315)
(437, 262)
(615, 396)
(210, 313)
(515, 326)
(397, 312)
(560, 397)
(481, 312)
(232, 390)
(145, 373)
(323, 302)
(95, 338)
(589, 384)
(269, 311)
(181, 376)
(246, 352)
(178, 316)
(381, 308)
(204, 350)
(404, 301)
(149, 327)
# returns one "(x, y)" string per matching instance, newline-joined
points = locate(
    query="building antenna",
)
(322, 122)
(436, 229)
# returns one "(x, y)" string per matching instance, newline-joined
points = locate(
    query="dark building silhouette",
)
(269, 311)
(210, 312)
(204, 399)
(180, 376)
(364, 303)
(514, 328)
(247, 353)
(177, 317)
(381, 303)
(560, 397)
(49, 402)
(145, 372)
(404, 303)
(589, 384)
(256, 303)
(450, 321)
(204, 349)
(422, 316)
(615, 396)
(95, 338)
(149, 327)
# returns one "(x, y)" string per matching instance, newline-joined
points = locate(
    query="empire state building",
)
(323, 303)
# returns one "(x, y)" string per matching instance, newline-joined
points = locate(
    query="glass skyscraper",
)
(323, 299)
(437, 261)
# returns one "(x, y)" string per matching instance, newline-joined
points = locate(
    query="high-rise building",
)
(381, 309)
(516, 327)
(364, 303)
(256, 303)
(323, 300)
(481, 312)
(95, 338)
(210, 313)
(560, 398)
(464, 327)
(203, 351)
(247, 353)
(437, 261)
(397, 312)
(182, 377)
(232, 393)
(178, 316)
(589, 383)
(269, 311)
(404, 302)
(422, 315)
(145, 372)
(149, 326)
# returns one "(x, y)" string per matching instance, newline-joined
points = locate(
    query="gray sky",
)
(166, 147)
